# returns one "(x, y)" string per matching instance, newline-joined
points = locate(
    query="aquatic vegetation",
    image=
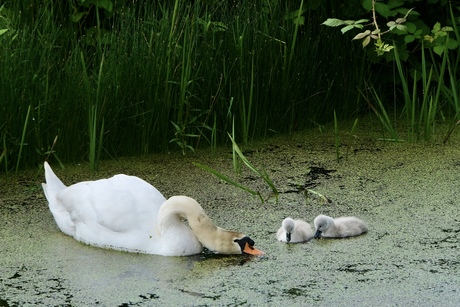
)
(126, 71)
(260, 172)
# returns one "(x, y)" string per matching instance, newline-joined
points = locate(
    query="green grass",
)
(422, 107)
(261, 172)
(336, 138)
(110, 83)
(228, 180)
(237, 157)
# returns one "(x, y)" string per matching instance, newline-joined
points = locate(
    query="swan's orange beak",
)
(251, 250)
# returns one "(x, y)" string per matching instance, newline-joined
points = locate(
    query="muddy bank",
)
(407, 193)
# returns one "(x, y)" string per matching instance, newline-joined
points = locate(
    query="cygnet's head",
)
(288, 225)
(322, 222)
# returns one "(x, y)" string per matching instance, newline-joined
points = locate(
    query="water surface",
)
(406, 193)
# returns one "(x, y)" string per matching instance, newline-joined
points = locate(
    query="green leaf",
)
(366, 41)
(367, 5)
(452, 44)
(362, 35)
(406, 12)
(3, 31)
(440, 34)
(191, 148)
(382, 9)
(394, 3)
(299, 21)
(176, 126)
(446, 29)
(347, 28)
(86, 3)
(401, 28)
(411, 28)
(438, 50)
(361, 21)
(409, 39)
(105, 4)
(387, 47)
(78, 16)
(333, 22)
(294, 14)
(218, 26)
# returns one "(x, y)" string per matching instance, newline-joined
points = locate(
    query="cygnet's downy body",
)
(294, 231)
(341, 227)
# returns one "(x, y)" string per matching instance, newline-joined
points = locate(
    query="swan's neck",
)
(212, 237)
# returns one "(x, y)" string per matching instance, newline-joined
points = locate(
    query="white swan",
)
(340, 227)
(294, 231)
(127, 213)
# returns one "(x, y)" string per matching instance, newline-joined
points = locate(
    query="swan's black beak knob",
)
(247, 247)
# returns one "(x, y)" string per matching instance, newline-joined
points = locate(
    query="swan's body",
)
(294, 231)
(341, 227)
(127, 213)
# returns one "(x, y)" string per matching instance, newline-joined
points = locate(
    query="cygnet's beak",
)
(288, 236)
(317, 234)
(251, 250)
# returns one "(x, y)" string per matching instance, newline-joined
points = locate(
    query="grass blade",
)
(23, 138)
(228, 180)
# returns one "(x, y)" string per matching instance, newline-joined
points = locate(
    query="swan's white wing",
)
(120, 212)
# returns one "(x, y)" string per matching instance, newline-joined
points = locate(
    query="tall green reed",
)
(428, 106)
(28, 55)
(23, 137)
(228, 180)
(261, 172)
(4, 156)
(93, 120)
(336, 138)
(149, 64)
(239, 156)
(382, 114)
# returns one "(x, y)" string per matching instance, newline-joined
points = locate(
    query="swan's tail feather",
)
(51, 188)
(53, 184)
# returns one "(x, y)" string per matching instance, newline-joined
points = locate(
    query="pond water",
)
(407, 194)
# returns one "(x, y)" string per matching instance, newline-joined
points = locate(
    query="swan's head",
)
(288, 225)
(231, 243)
(322, 222)
(246, 245)
(212, 237)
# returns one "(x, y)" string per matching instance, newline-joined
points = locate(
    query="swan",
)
(340, 227)
(126, 213)
(294, 231)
